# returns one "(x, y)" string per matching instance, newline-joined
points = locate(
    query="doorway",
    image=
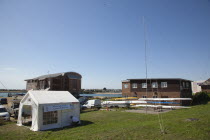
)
(27, 115)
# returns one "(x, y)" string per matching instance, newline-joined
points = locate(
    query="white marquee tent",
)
(48, 109)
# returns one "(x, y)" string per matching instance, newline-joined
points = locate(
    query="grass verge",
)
(116, 125)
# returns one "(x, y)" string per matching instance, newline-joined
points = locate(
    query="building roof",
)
(207, 82)
(53, 75)
(126, 81)
(51, 97)
(157, 79)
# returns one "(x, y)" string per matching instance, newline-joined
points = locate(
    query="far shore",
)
(107, 93)
(12, 91)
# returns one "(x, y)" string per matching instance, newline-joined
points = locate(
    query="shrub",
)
(201, 98)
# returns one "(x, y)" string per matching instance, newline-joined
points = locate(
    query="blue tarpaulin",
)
(162, 102)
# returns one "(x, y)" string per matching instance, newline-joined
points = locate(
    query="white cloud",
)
(9, 69)
(5, 69)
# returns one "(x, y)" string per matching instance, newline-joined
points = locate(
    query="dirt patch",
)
(192, 119)
(149, 111)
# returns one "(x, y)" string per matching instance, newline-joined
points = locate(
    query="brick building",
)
(67, 81)
(205, 86)
(158, 88)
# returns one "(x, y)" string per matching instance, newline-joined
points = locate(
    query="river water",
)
(101, 95)
(6, 94)
(93, 95)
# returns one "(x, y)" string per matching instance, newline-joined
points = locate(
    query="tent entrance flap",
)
(27, 115)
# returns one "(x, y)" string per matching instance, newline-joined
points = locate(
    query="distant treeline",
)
(101, 90)
(12, 91)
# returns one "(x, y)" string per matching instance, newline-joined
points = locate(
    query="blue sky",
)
(103, 40)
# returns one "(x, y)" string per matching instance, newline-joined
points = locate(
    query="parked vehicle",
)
(111, 104)
(92, 104)
(13, 107)
(13, 110)
(83, 100)
(3, 113)
(3, 101)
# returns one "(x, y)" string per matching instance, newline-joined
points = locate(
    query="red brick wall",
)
(126, 91)
(206, 88)
(158, 94)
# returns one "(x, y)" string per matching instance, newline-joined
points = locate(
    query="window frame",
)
(144, 85)
(183, 84)
(156, 83)
(163, 84)
(125, 86)
(136, 85)
(187, 84)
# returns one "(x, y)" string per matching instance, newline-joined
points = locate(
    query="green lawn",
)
(123, 125)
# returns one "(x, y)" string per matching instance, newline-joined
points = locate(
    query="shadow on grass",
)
(83, 123)
(88, 110)
(4, 122)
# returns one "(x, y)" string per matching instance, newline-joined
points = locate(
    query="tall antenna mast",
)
(3, 85)
(145, 45)
(145, 48)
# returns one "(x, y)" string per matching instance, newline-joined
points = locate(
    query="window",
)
(164, 85)
(50, 117)
(183, 84)
(134, 85)
(187, 85)
(144, 85)
(154, 96)
(154, 85)
(3, 110)
(125, 85)
(144, 96)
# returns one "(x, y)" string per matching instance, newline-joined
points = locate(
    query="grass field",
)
(117, 125)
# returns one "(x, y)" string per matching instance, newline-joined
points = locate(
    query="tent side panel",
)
(48, 126)
(63, 117)
(77, 110)
(35, 116)
(66, 114)
(66, 117)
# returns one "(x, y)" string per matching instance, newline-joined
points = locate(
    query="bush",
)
(208, 94)
(201, 98)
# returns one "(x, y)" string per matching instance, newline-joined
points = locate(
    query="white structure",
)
(196, 87)
(48, 109)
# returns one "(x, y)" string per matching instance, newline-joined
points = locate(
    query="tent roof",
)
(50, 97)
